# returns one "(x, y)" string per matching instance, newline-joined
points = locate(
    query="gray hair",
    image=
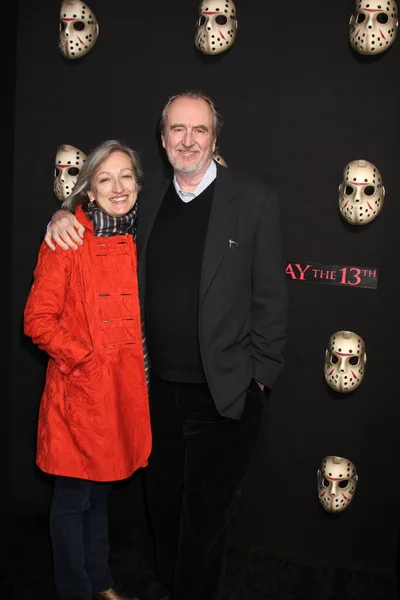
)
(95, 158)
(193, 95)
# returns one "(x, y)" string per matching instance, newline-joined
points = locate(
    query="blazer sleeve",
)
(269, 318)
(43, 313)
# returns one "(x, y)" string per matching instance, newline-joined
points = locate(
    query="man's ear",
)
(163, 141)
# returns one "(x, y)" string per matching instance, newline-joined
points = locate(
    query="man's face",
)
(189, 137)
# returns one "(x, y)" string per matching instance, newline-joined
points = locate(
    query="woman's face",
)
(113, 185)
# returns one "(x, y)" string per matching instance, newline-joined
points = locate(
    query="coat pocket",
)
(84, 382)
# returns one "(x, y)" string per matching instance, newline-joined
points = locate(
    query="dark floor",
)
(252, 574)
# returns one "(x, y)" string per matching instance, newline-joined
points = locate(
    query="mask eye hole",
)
(221, 20)
(325, 482)
(353, 360)
(382, 18)
(79, 26)
(369, 190)
(360, 18)
(334, 359)
(62, 26)
(56, 172)
(348, 190)
(73, 171)
(202, 20)
(343, 484)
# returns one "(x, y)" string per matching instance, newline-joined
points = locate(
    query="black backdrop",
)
(298, 104)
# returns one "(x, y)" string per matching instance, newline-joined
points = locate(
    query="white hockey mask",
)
(216, 26)
(337, 482)
(69, 161)
(218, 159)
(345, 360)
(78, 29)
(373, 26)
(361, 193)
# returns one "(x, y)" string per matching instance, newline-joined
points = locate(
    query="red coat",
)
(83, 310)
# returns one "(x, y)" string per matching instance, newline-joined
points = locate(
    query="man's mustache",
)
(192, 147)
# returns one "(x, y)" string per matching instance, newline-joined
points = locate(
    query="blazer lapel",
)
(220, 225)
(150, 200)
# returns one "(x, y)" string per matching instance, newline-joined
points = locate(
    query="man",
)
(213, 290)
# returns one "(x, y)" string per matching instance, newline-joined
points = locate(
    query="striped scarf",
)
(106, 225)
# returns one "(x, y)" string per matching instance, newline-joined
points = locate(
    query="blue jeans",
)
(79, 536)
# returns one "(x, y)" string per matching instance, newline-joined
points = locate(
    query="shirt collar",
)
(208, 178)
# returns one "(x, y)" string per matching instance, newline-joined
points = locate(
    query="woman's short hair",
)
(93, 160)
(193, 95)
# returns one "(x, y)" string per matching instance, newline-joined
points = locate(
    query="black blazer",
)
(243, 295)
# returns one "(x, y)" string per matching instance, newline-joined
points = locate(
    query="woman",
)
(94, 427)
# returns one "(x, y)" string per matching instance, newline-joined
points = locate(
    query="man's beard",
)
(184, 169)
(179, 165)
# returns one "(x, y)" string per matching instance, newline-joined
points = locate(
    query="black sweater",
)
(173, 268)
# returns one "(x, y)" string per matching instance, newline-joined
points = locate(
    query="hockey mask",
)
(78, 29)
(361, 193)
(218, 159)
(216, 26)
(337, 482)
(373, 26)
(69, 161)
(345, 360)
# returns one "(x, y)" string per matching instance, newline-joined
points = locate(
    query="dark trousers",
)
(195, 475)
(79, 536)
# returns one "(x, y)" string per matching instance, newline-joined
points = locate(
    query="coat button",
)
(63, 368)
(76, 373)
